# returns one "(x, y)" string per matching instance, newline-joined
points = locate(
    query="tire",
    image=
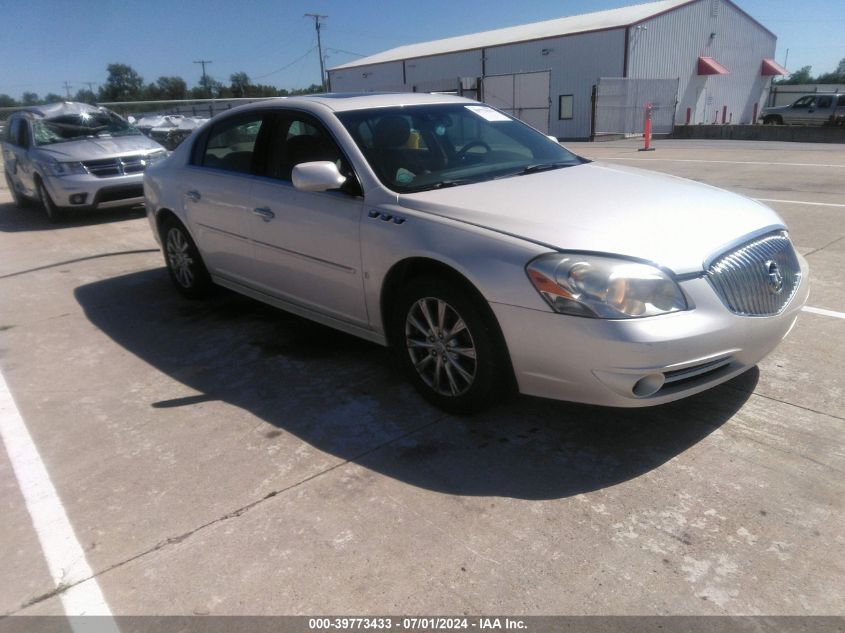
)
(459, 369)
(54, 214)
(20, 200)
(184, 262)
(773, 119)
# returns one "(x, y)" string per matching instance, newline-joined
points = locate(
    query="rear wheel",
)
(184, 263)
(54, 213)
(448, 345)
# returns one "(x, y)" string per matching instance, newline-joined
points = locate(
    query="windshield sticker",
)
(487, 113)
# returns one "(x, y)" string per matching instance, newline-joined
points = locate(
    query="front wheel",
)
(773, 120)
(184, 263)
(54, 213)
(448, 345)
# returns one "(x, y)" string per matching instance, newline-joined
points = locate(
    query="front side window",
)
(298, 138)
(231, 144)
(804, 102)
(416, 148)
(78, 126)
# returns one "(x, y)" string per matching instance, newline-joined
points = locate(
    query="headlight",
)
(156, 156)
(63, 169)
(604, 287)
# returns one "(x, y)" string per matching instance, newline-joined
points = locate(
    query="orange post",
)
(647, 130)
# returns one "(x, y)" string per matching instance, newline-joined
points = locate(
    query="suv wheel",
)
(54, 213)
(20, 200)
(448, 345)
(184, 263)
(773, 119)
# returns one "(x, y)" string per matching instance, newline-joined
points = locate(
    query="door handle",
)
(265, 213)
(194, 195)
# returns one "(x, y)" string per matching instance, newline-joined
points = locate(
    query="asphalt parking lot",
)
(223, 457)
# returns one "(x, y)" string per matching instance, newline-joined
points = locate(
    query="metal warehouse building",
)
(696, 61)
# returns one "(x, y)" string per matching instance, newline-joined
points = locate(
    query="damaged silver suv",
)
(75, 156)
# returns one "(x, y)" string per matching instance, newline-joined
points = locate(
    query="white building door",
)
(523, 95)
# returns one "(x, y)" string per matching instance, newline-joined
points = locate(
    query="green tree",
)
(801, 76)
(29, 98)
(83, 95)
(122, 84)
(171, 87)
(836, 77)
(240, 84)
(8, 102)
(52, 97)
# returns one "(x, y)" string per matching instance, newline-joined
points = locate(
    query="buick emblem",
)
(774, 277)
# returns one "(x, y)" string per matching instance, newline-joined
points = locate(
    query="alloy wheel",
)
(441, 346)
(179, 257)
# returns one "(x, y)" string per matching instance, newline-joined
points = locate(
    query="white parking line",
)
(814, 204)
(822, 311)
(728, 162)
(62, 551)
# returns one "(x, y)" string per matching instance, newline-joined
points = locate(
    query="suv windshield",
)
(73, 127)
(422, 147)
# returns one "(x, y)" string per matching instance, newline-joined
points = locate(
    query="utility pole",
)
(67, 90)
(204, 79)
(786, 59)
(317, 17)
(90, 85)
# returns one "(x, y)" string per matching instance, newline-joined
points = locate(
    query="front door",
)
(307, 244)
(217, 190)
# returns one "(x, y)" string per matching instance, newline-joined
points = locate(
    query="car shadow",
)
(342, 395)
(33, 218)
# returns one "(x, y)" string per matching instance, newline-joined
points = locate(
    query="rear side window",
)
(823, 102)
(231, 144)
(841, 101)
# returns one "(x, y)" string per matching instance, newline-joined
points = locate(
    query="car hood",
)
(670, 221)
(97, 148)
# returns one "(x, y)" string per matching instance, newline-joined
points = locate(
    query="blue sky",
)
(47, 42)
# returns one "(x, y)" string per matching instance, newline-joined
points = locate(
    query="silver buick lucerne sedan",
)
(482, 252)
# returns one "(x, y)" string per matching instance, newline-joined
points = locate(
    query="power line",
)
(317, 26)
(278, 70)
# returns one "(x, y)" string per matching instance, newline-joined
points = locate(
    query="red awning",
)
(709, 66)
(771, 67)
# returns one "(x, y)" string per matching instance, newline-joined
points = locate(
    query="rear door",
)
(217, 193)
(821, 110)
(307, 244)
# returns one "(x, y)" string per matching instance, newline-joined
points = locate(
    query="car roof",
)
(62, 108)
(342, 101)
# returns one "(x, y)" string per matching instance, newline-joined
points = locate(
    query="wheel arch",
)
(419, 266)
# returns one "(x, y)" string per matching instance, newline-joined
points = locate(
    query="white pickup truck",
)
(812, 109)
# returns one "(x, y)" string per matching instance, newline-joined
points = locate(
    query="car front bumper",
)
(96, 193)
(641, 362)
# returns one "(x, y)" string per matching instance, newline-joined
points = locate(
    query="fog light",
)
(648, 385)
(78, 198)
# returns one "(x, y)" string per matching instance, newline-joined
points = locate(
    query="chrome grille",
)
(116, 166)
(758, 278)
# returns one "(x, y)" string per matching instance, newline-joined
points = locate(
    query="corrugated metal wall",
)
(387, 76)
(663, 47)
(670, 45)
(575, 62)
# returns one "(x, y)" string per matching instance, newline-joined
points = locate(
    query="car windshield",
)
(423, 147)
(76, 126)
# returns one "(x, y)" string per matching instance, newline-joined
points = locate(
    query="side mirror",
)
(321, 175)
